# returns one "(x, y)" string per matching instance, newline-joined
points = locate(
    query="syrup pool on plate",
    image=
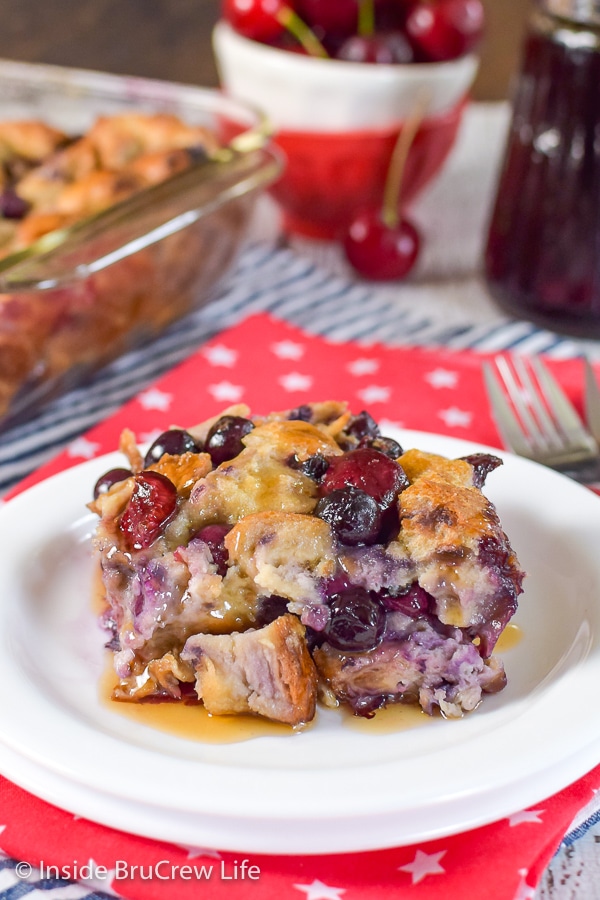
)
(192, 722)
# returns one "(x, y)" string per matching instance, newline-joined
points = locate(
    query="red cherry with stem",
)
(266, 20)
(446, 29)
(378, 252)
(381, 244)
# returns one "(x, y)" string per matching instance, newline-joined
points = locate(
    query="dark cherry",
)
(446, 29)
(378, 251)
(354, 516)
(214, 536)
(151, 504)
(106, 481)
(369, 471)
(357, 620)
(224, 440)
(11, 205)
(175, 441)
(382, 48)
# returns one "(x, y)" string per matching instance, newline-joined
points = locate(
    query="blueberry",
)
(314, 467)
(11, 205)
(224, 440)
(387, 446)
(106, 481)
(357, 620)
(174, 441)
(362, 425)
(354, 516)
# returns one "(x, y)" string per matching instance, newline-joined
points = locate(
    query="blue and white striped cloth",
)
(290, 286)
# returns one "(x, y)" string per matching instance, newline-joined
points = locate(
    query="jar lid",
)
(586, 12)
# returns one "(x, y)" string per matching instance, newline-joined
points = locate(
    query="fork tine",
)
(508, 424)
(562, 408)
(548, 435)
(518, 393)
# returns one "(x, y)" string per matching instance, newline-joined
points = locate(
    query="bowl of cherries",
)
(340, 81)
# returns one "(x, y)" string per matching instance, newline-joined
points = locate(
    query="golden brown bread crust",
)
(444, 521)
(268, 672)
(283, 553)
(260, 478)
(29, 139)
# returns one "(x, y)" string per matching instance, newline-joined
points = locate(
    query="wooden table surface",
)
(170, 39)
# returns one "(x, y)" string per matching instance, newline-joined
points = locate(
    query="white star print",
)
(295, 381)
(226, 391)
(148, 437)
(524, 892)
(363, 366)
(195, 852)
(455, 417)
(2, 828)
(317, 890)
(220, 355)
(155, 399)
(287, 350)
(375, 393)
(424, 864)
(83, 447)
(526, 815)
(441, 378)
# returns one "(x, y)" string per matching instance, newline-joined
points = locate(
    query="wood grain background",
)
(170, 39)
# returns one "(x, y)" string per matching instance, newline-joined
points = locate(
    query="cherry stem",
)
(366, 18)
(390, 208)
(300, 30)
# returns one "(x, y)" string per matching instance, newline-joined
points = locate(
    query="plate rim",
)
(577, 764)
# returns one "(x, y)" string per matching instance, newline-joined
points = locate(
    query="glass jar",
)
(542, 257)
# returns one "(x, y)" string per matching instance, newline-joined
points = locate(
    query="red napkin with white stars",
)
(271, 365)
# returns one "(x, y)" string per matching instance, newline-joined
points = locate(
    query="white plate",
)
(330, 789)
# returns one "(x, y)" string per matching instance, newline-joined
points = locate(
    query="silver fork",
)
(537, 420)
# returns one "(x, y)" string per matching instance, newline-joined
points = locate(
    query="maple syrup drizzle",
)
(389, 720)
(510, 637)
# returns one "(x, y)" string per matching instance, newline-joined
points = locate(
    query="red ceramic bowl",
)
(337, 123)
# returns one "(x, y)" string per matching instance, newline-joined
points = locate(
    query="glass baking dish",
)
(81, 296)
